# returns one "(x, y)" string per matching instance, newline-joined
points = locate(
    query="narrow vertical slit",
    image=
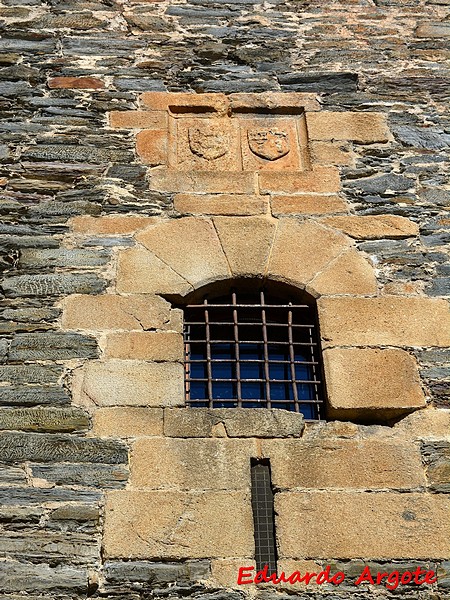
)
(263, 515)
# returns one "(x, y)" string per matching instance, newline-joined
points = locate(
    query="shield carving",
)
(209, 141)
(270, 144)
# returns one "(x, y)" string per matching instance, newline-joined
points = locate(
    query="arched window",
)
(253, 350)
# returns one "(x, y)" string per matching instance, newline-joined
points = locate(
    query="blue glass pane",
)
(222, 350)
(223, 370)
(280, 391)
(303, 372)
(308, 411)
(198, 389)
(252, 390)
(198, 370)
(279, 371)
(225, 390)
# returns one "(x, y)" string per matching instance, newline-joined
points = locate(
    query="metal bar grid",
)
(263, 516)
(278, 368)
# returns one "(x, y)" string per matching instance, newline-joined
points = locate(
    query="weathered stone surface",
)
(177, 525)
(437, 458)
(131, 383)
(152, 146)
(433, 30)
(246, 242)
(62, 257)
(24, 577)
(16, 447)
(319, 180)
(356, 126)
(52, 547)
(127, 422)
(349, 273)
(87, 475)
(53, 284)
(202, 182)
(374, 227)
(370, 383)
(241, 102)
(138, 119)
(52, 346)
(26, 496)
(29, 396)
(307, 204)
(44, 419)
(14, 475)
(390, 320)
(344, 463)
(159, 463)
(301, 250)
(332, 153)
(111, 224)
(190, 246)
(242, 422)
(30, 374)
(171, 101)
(111, 311)
(141, 272)
(76, 83)
(145, 346)
(119, 572)
(399, 530)
(220, 204)
(427, 423)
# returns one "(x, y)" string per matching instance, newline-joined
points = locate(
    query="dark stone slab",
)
(119, 572)
(436, 456)
(30, 373)
(52, 346)
(44, 419)
(54, 548)
(72, 153)
(97, 476)
(16, 447)
(53, 284)
(329, 82)
(382, 184)
(30, 396)
(26, 496)
(36, 578)
(62, 257)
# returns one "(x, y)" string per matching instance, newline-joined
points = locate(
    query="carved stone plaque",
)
(209, 141)
(269, 143)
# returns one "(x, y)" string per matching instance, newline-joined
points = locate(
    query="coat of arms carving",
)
(209, 141)
(271, 143)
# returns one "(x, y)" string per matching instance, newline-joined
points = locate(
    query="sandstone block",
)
(224, 571)
(344, 463)
(332, 153)
(110, 225)
(191, 464)
(307, 204)
(246, 242)
(157, 346)
(349, 273)
(141, 272)
(175, 101)
(76, 83)
(138, 119)
(301, 250)
(368, 127)
(274, 101)
(131, 383)
(220, 204)
(374, 227)
(321, 180)
(371, 383)
(427, 423)
(111, 311)
(170, 524)
(127, 422)
(151, 146)
(390, 320)
(190, 246)
(202, 182)
(365, 525)
(242, 422)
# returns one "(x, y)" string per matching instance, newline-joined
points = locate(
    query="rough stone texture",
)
(361, 127)
(151, 147)
(246, 242)
(344, 463)
(145, 346)
(390, 320)
(202, 182)
(220, 204)
(221, 422)
(349, 273)
(84, 474)
(407, 525)
(161, 463)
(437, 458)
(372, 384)
(190, 247)
(110, 225)
(52, 346)
(141, 272)
(321, 180)
(307, 204)
(130, 383)
(127, 422)
(301, 250)
(44, 419)
(110, 311)
(177, 524)
(429, 423)
(138, 119)
(374, 227)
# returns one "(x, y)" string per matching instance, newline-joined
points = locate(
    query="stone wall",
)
(102, 481)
